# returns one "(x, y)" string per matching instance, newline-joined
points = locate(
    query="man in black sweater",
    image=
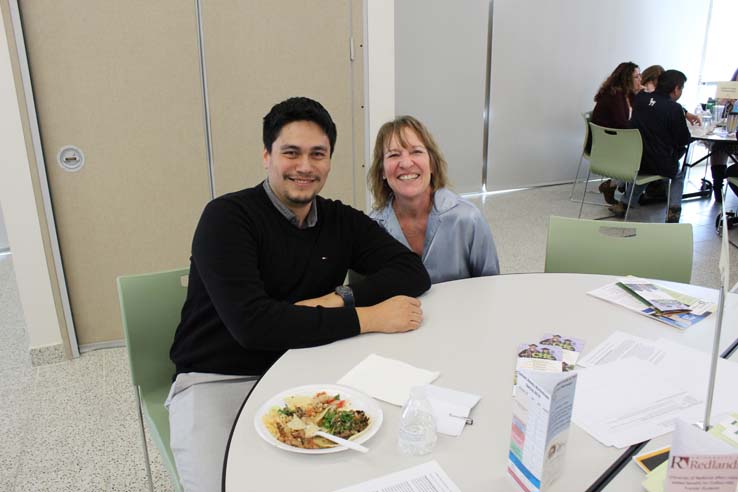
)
(665, 137)
(266, 275)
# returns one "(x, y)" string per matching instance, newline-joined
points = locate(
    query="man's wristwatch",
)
(345, 292)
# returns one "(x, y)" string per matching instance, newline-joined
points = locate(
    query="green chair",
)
(660, 251)
(616, 153)
(150, 306)
(584, 155)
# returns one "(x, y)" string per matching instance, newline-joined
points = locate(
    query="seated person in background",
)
(266, 275)
(665, 137)
(613, 107)
(719, 160)
(408, 179)
(650, 78)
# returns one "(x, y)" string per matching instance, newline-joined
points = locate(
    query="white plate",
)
(356, 401)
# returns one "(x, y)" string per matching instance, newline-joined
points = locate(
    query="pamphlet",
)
(547, 358)
(542, 408)
(655, 479)
(699, 309)
(570, 347)
(654, 296)
(699, 462)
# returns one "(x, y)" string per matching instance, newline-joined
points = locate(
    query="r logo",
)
(680, 462)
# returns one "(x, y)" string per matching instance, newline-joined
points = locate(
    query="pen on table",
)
(467, 420)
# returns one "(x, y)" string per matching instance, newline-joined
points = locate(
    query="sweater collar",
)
(310, 220)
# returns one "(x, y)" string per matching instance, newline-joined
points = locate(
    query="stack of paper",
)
(673, 308)
(633, 389)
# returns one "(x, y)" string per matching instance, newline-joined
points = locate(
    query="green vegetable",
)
(286, 411)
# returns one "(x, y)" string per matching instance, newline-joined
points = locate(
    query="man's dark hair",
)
(297, 109)
(670, 80)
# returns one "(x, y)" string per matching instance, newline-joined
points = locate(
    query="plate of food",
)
(288, 419)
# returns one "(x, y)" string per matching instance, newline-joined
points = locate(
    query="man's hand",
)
(395, 315)
(693, 118)
(330, 300)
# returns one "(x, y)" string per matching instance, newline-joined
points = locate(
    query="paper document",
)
(620, 345)
(628, 401)
(428, 477)
(653, 295)
(678, 374)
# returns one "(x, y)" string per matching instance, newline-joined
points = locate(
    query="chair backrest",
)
(660, 251)
(151, 306)
(616, 153)
(587, 146)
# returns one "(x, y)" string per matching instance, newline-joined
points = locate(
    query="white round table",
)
(470, 334)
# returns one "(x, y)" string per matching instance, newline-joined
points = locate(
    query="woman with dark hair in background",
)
(613, 107)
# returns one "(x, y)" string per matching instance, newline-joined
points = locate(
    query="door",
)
(260, 53)
(120, 82)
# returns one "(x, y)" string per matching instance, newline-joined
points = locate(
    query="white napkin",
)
(387, 379)
(451, 408)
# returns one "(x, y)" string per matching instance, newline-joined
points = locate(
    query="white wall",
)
(380, 71)
(21, 216)
(549, 58)
(440, 63)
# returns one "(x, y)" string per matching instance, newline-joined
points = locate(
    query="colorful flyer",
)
(570, 347)
(539, 357)
(542, 408)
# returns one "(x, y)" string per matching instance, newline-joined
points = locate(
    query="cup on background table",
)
(732, 122)
(707, 122)
(717, 113)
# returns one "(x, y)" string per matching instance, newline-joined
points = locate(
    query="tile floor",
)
(72, 426)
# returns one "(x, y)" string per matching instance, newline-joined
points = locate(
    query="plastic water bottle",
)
(417, 425)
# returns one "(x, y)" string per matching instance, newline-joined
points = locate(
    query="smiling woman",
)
(408, 180)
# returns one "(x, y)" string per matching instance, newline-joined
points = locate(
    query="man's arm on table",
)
(392, 274)
(225, 253)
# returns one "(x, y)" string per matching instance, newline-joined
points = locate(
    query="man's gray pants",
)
(201, 415)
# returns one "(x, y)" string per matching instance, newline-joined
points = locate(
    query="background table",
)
(470, 334)
(698, 135)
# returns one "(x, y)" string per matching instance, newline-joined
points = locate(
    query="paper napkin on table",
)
(387, 379)
(451, 408)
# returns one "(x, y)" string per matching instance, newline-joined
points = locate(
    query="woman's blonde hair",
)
(377, 184)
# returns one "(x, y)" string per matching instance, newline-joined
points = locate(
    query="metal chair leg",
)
(576, 178)
(630, 200)
(668, 197)
(581, 206)
(143, 440)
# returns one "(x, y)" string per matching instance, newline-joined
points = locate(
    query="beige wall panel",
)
(259, 53)
(121, 81)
